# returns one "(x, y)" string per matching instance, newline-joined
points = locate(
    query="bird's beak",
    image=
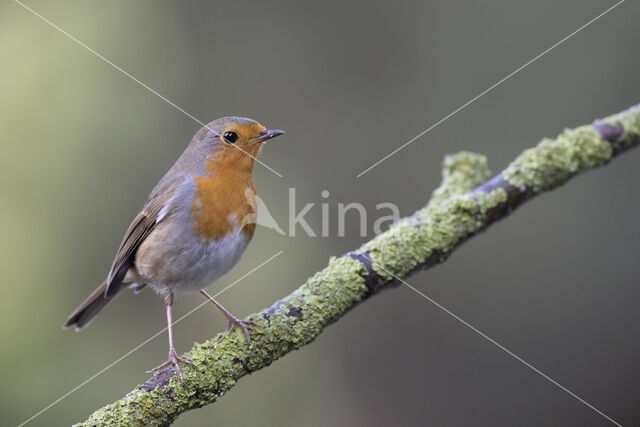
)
(267, 134)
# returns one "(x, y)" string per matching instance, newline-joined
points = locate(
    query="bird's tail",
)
(84, 314)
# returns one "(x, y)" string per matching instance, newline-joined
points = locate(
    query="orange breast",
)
(225, 201)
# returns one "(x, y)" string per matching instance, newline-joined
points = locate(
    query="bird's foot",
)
(174, 360)
(244, 324)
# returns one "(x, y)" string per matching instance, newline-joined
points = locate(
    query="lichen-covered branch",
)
(466, 203)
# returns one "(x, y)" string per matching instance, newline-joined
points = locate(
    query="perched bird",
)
(193, 228)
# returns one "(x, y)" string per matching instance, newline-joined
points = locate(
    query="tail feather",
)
(89, 308)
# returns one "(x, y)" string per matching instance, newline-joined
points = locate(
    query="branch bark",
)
(466, 203)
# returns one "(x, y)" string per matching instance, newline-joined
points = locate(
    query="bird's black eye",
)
(230, 137)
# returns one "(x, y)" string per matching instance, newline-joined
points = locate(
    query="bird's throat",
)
(225, 202)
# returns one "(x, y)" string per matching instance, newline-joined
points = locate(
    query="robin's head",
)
(234, 141)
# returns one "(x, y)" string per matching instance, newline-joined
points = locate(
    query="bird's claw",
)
(244, 324)
(174, 360)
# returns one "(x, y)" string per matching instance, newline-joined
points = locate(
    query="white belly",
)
(184, 262)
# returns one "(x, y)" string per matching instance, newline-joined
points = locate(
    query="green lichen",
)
(436, 229)
(461, 172)
(553, 161)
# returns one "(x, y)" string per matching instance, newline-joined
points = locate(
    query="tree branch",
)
(466, 203)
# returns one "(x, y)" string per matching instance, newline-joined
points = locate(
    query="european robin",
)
(194, 227)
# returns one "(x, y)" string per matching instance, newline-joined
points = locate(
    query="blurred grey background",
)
(556, 283)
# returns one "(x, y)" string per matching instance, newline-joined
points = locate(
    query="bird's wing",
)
(140, 228)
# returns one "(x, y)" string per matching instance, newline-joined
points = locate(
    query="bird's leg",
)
(174, 359)
(233, 320)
